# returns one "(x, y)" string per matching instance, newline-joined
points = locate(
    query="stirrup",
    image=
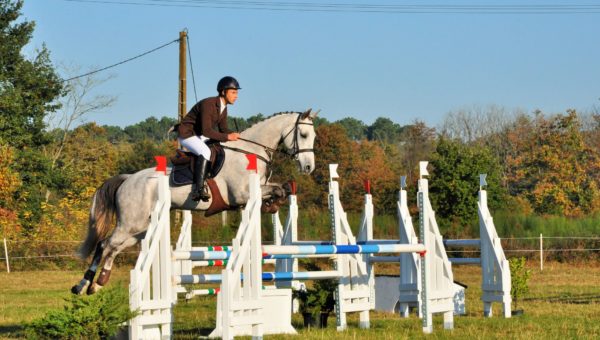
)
(200, 195)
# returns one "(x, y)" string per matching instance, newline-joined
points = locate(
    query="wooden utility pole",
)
(182, 109)
(182, 98)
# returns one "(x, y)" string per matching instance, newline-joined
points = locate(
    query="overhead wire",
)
(363, 7)
(121, 62)
(187, 37)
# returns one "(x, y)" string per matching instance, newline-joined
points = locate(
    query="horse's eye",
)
(304, 135)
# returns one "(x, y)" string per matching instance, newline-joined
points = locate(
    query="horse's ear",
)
(313, 114)
(305, 114)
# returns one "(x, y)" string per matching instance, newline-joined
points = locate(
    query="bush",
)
(321, 298)
(519, 278)
(99, 316)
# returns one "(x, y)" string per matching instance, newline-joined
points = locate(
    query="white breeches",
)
(196, 145)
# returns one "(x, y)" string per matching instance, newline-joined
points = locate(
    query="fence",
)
(60, 254)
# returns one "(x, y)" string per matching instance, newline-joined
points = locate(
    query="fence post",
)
(224, 218)
(541, 252)
(6, 256)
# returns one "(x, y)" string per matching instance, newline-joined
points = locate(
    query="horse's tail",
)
(102, 213)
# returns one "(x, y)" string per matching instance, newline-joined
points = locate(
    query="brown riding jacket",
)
(205, 119)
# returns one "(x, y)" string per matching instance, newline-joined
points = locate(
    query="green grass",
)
(508, 224)
(564, 302)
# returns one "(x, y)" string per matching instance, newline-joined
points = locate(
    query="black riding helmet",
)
(227, 83)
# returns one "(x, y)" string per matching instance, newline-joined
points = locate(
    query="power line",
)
(122, 62)
(362, 7)
(187, 37)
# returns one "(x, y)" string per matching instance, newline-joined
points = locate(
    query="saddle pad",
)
(181, 175)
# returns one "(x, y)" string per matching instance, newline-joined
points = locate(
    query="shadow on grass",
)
(192, 333)
(582, 299)
(12, 331)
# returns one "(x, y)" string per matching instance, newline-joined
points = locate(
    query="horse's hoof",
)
(94, 288)
(78, 288)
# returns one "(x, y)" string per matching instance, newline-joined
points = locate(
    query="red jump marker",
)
(161, 163)
(252, 162)
(368, 186)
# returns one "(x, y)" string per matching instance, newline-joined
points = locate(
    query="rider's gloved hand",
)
(233, 136)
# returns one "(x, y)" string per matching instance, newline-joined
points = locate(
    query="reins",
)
(270, 151)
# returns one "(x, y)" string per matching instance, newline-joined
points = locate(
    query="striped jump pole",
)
(287, 252)
(266, 277)
(344, 249)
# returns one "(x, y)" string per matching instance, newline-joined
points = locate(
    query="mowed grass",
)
(563, 303)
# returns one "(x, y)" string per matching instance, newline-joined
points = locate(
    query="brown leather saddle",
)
(183, 174)
(183, 166)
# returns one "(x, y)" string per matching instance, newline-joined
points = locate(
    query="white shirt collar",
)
(223, 104)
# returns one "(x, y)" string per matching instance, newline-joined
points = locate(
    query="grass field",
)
(563, 303)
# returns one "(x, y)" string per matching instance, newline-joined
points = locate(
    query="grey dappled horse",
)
(132, 197)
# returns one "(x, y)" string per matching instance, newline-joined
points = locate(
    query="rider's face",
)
(231, 96)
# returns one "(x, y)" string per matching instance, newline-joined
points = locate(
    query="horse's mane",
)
(270, 117)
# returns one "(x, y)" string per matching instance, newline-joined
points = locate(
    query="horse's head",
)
(300, 140)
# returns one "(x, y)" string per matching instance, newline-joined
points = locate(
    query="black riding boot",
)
(200, 169)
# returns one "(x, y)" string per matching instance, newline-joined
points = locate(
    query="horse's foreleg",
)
(113, 248)
(274, 195)
(272, 190)
(88, 277)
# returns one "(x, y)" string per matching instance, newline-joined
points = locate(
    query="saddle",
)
(183, 167)
(183, 174)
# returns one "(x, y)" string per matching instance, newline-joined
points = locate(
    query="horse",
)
(131, 196)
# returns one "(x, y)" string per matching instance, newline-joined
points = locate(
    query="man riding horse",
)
(207, 120)
(130, 198)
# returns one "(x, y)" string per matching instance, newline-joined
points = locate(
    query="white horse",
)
(131, 197)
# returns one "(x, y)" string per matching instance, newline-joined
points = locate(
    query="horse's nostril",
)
(307, 168)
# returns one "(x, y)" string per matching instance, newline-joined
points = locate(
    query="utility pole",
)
(182, 97)
(182, 109)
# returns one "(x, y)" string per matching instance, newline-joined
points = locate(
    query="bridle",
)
(293, 153)
(295, 146)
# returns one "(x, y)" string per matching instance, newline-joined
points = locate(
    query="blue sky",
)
(403, 66)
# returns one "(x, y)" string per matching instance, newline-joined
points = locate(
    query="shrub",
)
(519, 278)
(99, 316)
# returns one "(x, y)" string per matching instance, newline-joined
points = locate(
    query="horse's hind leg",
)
(88, 277)
(116, 244)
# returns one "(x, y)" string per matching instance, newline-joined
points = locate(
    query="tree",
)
(89, 158)
(28, 88)
(384, 130)
(356, 129)
(454, 183)
(417, 143)
(551, 166)
(151, 128)
(28, 91)
(140, 155)
(75, 105)
(477, 123)
(332, 146)
(9, 183)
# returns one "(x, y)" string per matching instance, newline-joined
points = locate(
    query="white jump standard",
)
(244, 305)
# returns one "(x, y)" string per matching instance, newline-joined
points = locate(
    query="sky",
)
(346, 61)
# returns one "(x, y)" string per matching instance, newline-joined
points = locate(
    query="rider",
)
(208, 120)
